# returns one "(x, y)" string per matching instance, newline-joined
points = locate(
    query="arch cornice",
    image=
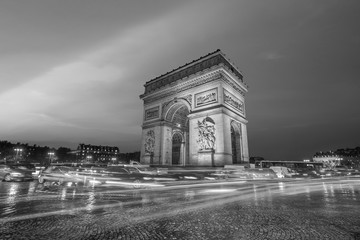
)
(179, 86)
(183, 85)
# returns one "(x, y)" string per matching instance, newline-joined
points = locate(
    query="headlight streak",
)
(240, 194)
(16, 174)
(131, 184)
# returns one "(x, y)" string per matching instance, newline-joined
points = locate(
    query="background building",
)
(349, 157)
(92, 153)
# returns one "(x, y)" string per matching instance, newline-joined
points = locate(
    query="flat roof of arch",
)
(198, 65)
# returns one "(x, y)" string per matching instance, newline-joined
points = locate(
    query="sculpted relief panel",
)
(207, 97)
(206, 134)
(149, 142)
(233, 101)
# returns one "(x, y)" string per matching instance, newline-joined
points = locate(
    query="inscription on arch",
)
(233, 101)
(206, 97)
(152, 113)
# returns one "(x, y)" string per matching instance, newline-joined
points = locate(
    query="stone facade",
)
(195, 115)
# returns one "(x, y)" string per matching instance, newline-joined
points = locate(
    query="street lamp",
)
(51, 155)
(17, 150)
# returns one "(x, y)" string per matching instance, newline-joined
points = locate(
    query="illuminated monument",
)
(195, 115)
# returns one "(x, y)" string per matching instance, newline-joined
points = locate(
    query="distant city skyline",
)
(72, 71)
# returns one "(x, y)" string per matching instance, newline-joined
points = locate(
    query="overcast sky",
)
(71, 71)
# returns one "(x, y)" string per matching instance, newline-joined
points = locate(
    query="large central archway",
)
(176, 149)
(176, 116)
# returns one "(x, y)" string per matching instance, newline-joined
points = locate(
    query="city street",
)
(224, 209)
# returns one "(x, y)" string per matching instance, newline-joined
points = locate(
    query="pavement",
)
(320, 209)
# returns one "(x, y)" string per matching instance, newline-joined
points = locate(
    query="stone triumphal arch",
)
(195, 115)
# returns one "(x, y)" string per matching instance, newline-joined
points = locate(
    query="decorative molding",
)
(173, 91)
(206, 97)
(188, 98)
(233, 85)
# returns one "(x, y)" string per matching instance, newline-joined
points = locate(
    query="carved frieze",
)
(185, 86)
(149, 142)
(206, 97)
(233, 101)
(152, 113)
(206, 134)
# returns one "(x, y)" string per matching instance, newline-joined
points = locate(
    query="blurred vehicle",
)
(345, 171)
(28, 167)
(146, 170)
(327, 173)
(218, 174)
(133, 177)
(38, 170)
(307, 173)
(243, 172)
(60, 175)
(9, 173)
(261, 173)
(238, 173)
(91, 170)
(282, 172)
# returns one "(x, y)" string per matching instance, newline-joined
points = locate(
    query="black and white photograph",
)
(179, 120)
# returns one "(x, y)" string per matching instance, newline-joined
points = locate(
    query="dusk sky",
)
(72, 70)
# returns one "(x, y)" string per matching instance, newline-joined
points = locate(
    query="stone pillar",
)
(206, 157)
(245, 147)
(166, 145)
(182, 154)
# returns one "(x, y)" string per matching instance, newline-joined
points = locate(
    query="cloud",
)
(93, 94)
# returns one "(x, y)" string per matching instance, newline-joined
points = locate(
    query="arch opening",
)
(177, 116)
(176, 149)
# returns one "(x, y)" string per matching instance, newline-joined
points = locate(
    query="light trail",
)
(201, 197)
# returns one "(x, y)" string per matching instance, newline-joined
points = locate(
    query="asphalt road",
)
(261, 209)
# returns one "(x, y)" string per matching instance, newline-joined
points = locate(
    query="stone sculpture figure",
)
(150, 142)
(207, 138)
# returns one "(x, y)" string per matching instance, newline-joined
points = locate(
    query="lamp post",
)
(17, 150)
(51, 155)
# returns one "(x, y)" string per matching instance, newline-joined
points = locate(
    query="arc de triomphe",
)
(195, 115)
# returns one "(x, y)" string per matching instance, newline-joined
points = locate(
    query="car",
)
(60, 175)
(344, 171)
(328, 173)
(306, 173)
(261, 173)
(283, 172)
(133, 177)
(146, 170)
(28, 167)
(251, 173)
(9, 173)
